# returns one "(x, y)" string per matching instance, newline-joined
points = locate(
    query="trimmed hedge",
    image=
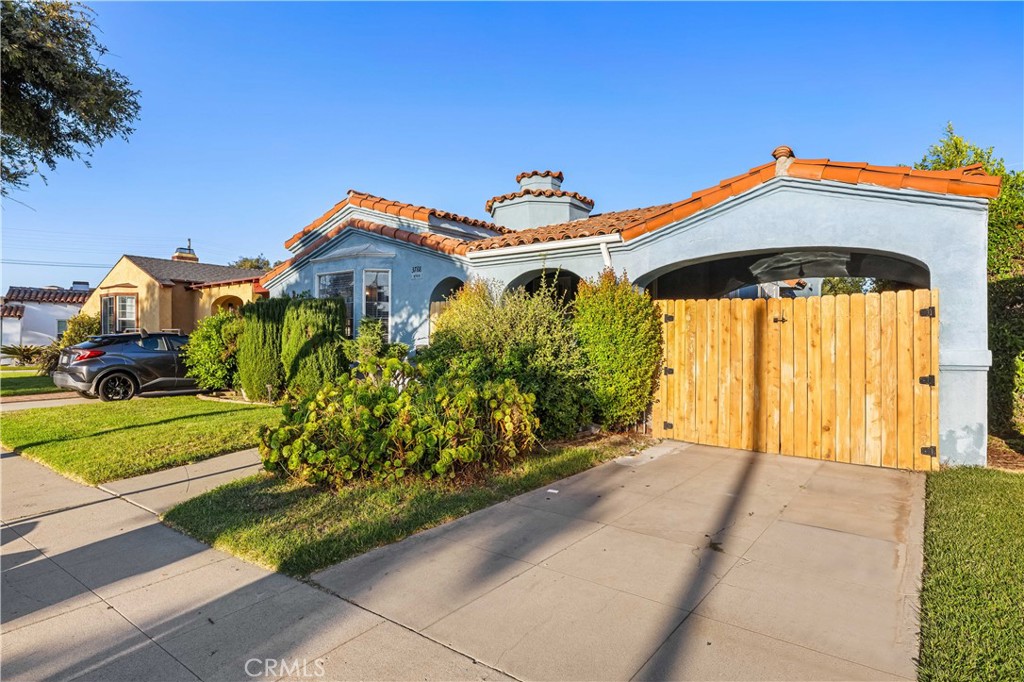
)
(1006, 340)
(210, 351)
(259, 348)
(312, 344)
(619, 330)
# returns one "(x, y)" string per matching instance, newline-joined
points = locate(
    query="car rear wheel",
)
(116, 387)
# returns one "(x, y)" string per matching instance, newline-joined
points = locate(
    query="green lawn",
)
(27, 383)
(972, 602)
(101, 442)
(18, 368)
(297, 529)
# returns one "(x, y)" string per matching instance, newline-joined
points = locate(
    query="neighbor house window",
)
(339, 285)
(117, 314)
(377, 290)
(62, 326)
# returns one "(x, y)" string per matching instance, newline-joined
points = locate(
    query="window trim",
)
(116, 318)
(391, 297)
(351, 313)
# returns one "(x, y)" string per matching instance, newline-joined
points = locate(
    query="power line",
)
(7, 261)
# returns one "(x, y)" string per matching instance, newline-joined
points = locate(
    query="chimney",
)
(79, 285)
(540, 201)
(185, 254)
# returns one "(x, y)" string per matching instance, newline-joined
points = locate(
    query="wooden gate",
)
(841, 378)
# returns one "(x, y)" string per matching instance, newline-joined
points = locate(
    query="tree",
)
(58, 101)
(1005, 213)
(259, 262)
(833, 286)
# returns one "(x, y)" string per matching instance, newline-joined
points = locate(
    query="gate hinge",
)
(928, 312)
(930, 451)
(927, 380)
(667, 426)
(668, 370)
(670, 318)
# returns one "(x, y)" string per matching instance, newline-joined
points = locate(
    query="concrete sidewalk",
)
(95, 588)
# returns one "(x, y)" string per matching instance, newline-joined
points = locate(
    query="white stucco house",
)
(38, 315)
(787, 219)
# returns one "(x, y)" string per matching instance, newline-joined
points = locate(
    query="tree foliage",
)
(59, 101)
(259, 262)
(833, 286)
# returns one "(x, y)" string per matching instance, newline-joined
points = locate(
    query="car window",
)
(150, 343)
(176, 342)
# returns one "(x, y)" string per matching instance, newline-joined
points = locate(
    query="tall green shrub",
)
(313, 344)
(259, 348)
(619, 330)
(80, 328)
(210, 352)
(515, 335)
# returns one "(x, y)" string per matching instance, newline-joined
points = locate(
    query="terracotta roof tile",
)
(537, 193)
(395, 208)
(46, 295)
(14, 310)
(557, 175)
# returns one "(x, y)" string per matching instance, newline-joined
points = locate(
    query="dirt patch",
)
(1006, 453)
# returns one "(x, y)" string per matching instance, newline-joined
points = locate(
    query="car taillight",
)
(86, 355)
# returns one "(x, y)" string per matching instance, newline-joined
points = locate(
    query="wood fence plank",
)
(689, 385)
(828, 377)
(724, 369)
(935, 371)
(761, 390)
(711, 376)
(747, 429)
(873, 380)
(922, 392)
(736, 374)
(774, 375)
(842, 420)
(699, 372)
(666, 410)
(799, 323)
(658, 411)
(786, 406)
(889, 379)
(905, 379)
(858, 352)
(814, 378)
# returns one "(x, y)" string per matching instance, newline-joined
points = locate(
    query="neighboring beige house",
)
(169, 294)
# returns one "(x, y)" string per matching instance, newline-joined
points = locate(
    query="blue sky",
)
(258, 117)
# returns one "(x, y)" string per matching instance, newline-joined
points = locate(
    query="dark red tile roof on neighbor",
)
(14, 310)
(395, 208)
(47, 295)
(537, 193)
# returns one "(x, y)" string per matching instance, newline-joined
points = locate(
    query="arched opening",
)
(781, 274)
(226, 303)
(439, 297)
(564, 282)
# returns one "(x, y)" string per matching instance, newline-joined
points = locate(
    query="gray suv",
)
(117, 366)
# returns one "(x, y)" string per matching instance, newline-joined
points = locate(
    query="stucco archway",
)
(565, 282)
(225, 303)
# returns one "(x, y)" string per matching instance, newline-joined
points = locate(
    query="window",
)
(62, 326)
(339, 285)
(117, 314)
(149, 343)
(175, 342)
(377, 292)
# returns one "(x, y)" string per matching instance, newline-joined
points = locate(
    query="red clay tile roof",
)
(557, 175)
(12, 310)
(42, 295)
(430, 240)
(395, 208)
(537, 193)
(966, 181)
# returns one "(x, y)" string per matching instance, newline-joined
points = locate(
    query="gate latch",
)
(928, 380)
(668, 370)
(667, 426)
(670, 318)
(930, 451)
(928, 312)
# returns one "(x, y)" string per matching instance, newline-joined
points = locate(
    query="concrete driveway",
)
(689, 562)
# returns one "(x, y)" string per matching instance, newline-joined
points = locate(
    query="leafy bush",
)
(1006, 339)
(525, 337)
(383, 423)
(210, 352)
(371, 343)
(22, 354)
(80, 328)
(312, 343)
(619, 330)
(259, 348)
